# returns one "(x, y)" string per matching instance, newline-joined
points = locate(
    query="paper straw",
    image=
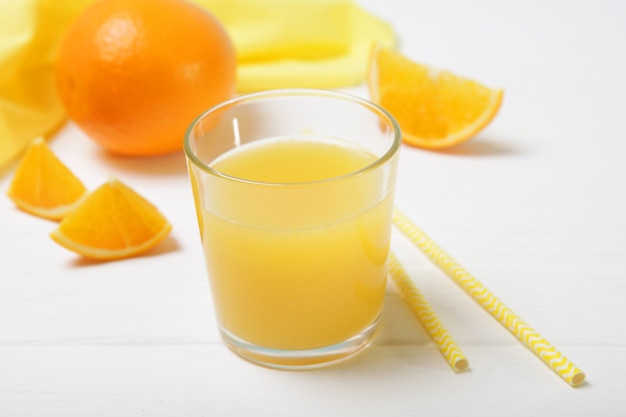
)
(427, 317)
(520, 329)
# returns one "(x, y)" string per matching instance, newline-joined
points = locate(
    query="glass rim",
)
(302, 92)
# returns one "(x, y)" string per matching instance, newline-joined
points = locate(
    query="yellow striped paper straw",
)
(427, 317)
(520, 329)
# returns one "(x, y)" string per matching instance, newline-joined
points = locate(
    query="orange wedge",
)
(112, 222)
(43, 185)
(435, 109)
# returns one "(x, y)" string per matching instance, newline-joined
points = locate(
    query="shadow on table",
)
(167, 165)
(481, 146)
(168, 245)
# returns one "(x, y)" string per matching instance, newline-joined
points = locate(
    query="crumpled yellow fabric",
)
(279, 44)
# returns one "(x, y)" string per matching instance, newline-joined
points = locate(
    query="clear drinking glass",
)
(294, 195)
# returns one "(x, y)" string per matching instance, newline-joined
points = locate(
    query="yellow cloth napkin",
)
(29, 106)
(300, 43)
(279, 43)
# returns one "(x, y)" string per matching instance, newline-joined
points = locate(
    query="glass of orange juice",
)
(294, 193)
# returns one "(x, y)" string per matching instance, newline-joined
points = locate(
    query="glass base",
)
(295, 360)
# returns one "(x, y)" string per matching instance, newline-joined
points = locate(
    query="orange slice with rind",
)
(43, 185)
(435, 109)
(112, 222)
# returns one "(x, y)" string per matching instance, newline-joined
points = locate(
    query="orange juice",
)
(296, 244)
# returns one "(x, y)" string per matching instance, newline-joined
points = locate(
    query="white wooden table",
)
(534, 207)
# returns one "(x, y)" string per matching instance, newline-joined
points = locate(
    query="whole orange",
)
(133, 74)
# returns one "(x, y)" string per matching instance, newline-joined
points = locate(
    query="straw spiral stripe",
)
(520, 329)
(427, 317)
